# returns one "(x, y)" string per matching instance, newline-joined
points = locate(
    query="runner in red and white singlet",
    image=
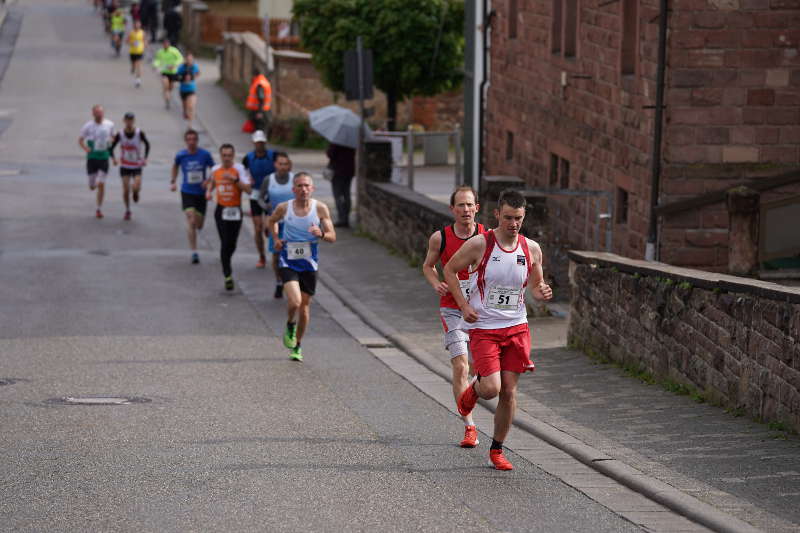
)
(442, 245)
(504, 263)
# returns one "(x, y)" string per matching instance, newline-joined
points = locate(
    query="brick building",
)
(571, 105)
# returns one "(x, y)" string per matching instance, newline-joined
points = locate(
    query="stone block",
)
(739, 154)
(777, 77)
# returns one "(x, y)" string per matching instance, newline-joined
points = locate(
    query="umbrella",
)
(337, 124)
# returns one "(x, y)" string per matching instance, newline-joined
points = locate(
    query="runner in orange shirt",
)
(230, 180)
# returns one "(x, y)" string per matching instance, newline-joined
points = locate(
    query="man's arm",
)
(539, 289)
(82, 144)
(469, 254)
(263, 195)
(429, 266)
(173, 177)
(272, 224)
(325, 230)
(146, 146)
(210, 184)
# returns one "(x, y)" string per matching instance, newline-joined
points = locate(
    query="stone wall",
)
(735, 339)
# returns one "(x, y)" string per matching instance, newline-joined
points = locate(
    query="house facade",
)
(571, 106)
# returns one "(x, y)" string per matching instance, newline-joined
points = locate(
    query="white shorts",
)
(455, 340)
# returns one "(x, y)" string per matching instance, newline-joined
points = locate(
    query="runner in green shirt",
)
(167, 60)
(117, 30)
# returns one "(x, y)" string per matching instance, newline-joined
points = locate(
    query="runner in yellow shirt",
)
(136, 45)
(117, 29)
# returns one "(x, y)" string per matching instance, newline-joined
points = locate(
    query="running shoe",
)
(296, 354)
(136, 197)
(137, 83)
(229, 283)
(261, 263)
(278, 291)
(290, 336)
(98, 214)
(195, 258)
(127, 215)
(467, 400)
(499, 461)
(470, 437)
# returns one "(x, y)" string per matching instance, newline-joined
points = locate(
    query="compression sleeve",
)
(114, 144)
(146, 144)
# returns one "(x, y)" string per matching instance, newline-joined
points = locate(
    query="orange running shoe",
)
(470, 437)
(466, 402)
(262, 262)
(499, 461)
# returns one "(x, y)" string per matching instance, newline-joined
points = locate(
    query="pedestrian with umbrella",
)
(340, 127)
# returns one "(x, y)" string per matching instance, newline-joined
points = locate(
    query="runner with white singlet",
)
(134, 150)
(95, 139)
(503, 263)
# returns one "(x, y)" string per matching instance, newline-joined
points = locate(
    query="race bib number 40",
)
(231, 213)
(298, 250)
(503, 298)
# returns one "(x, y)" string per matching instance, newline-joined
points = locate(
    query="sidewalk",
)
(735, 465)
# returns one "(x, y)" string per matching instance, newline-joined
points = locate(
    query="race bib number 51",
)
(503, 298)
(298, 250)
(464, 284)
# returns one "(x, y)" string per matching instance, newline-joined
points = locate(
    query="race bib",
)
(503, 298)
(298, 250)
(100, 144)
(464, 284)
(194, 176)
(231, 213)
(137, 44)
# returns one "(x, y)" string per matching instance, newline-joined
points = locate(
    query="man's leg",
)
(101, 187)
(137, 186)
(191, 228)
(258, 229)
(506, 405)
(190, 102)
(294, 298)
(166, 88)
(126, 192)
(460, 367)
(304, 317)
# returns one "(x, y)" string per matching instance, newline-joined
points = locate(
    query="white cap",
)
(259, 137)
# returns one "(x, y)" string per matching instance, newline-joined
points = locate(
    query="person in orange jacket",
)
(259, 101)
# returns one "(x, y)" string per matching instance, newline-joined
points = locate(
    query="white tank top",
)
(131, 150)
(497, 285)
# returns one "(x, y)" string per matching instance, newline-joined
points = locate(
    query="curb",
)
(658, 491)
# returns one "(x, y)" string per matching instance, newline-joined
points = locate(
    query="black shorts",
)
(307, 280)
(170, 77)
(129, 172)
(196, 202)
(136, 57)
(187, 94)
(256, 209)
(93, 166)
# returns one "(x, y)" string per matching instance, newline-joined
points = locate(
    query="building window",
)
(559, 172)
(630, 36)
(553, 170)
(509, 146)
(564, 31)
(622, 206)
(558, 23)
(513, 17)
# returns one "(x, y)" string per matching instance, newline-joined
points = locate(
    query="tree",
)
(417, 45)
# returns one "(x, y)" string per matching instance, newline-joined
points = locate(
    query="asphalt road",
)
(234, 436)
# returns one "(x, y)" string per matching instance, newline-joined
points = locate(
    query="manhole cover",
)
(98, 400)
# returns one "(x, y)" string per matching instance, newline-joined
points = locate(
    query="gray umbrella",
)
(337, 124)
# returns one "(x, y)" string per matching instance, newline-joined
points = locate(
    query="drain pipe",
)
(652, 248)
(486, 24)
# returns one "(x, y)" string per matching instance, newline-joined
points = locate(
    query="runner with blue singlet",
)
(276, 189)
(305, 222)
(259, 163)
(194, 163)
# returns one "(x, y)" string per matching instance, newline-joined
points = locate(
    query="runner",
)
(137, 42)
(230, 180)
(276, 189)
(441, 246)
(305, 222)
(131, 160)
(95, 138)
(495, 314)
(259, 163)
(117, 29)
(193, 163)
(167, 60)
(187, 74)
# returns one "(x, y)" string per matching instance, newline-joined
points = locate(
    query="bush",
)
(295, 132)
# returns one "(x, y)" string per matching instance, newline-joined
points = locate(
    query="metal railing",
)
(409, 142)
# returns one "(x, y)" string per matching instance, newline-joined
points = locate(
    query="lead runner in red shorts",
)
(503, 263)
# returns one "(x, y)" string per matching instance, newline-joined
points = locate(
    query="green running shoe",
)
(229, 283)
(290, 336)
(296, 354)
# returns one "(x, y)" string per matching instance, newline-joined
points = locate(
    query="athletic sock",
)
(290, 324)
(469, 421)
(496, 445)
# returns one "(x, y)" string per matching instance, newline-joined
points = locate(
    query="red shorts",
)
(494, 350)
